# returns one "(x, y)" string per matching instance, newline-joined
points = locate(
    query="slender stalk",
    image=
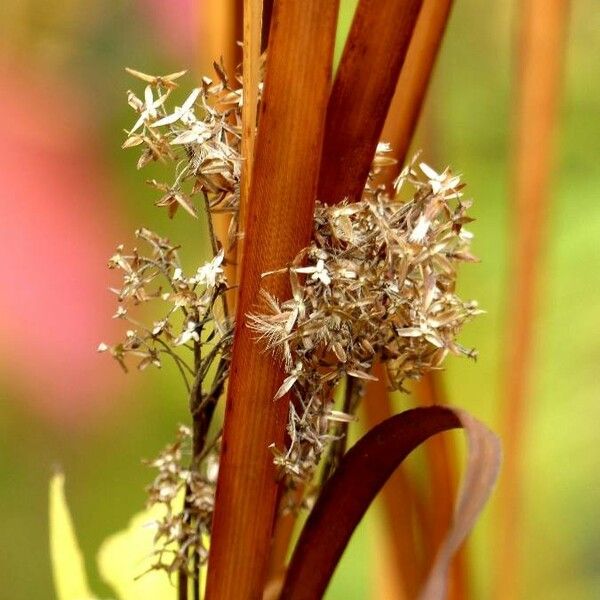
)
(278, 225)
(415, 75)
(441, 461)
(251, 75)
(219, 31)
(182, 585)
(352, 395)
(282, 535)
(364, 85)
(399, 129)
(355, 117)
(541, 45)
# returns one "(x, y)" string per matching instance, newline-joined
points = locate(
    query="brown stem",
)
(278, 225)
(251, 75)
(442, 473)
(399, 129)
(362, 93)
(282, 536)
(182, 585)
(541, 46)
(352, 394)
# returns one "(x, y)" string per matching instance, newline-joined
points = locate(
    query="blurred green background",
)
(70, 195)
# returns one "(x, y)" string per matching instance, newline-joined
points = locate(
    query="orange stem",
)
(251, 76)
(278, 225)
(541, 49)
(415, 76)
(399, 130)
(443, 484)
(218, 35)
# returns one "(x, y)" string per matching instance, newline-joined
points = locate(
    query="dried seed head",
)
(378, 281)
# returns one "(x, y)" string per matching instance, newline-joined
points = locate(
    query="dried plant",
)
(181, 533)
(191, 324)
(202, 137)
(378, 282)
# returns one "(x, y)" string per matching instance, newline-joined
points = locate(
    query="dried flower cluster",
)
(188, 303)
(181, 533)
(192, 332)
(202, 137)
(377, 282)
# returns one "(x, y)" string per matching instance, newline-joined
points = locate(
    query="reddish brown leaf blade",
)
(361, 474)
(278, 225)
(362, 93)
(414, 78)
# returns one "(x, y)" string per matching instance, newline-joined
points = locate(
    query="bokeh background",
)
(70, 194)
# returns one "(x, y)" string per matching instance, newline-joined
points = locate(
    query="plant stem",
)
(278, 225)
(541, 45)
(441, 462)
(356, 114)
(399, 494)
(415, 76)
(219, 31)
(399, 499)
(362, 92)
(352, 395)
(251, 75)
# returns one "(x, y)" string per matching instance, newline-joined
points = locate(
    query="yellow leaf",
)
(124, 556)
(68, 569)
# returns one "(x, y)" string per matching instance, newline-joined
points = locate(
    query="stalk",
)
(362, 92)
(541, 45)
(415, 75)
(278, 225)
(441, 461)
(399, 129)
(355, 117)
(251, 75)
(219, 29)
(400, 503)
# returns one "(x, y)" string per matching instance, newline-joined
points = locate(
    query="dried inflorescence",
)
(202, 137)
(186, 305)
(377, 282)
(181, 533)
(193, 332)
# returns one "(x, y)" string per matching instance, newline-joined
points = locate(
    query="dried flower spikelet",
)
(378, 281)
(187, 497)
(202, 137)
(184, 305)
(197, 338)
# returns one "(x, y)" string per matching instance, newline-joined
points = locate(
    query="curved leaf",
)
(68, 568)
(361, 474)
(125, 560)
